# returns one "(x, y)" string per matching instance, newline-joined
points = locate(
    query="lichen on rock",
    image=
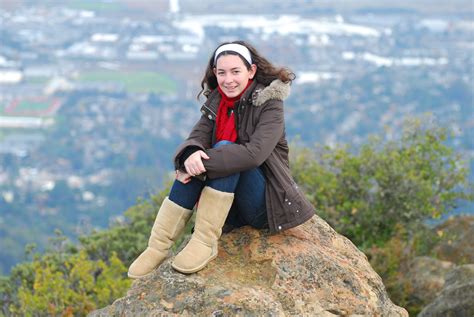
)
(309, 270)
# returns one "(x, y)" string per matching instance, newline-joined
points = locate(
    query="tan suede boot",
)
(212, 211)
(169, 224)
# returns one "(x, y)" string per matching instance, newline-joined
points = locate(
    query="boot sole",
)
(139, 276)
(194, 270)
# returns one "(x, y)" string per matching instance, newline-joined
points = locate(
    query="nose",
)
(228, 79)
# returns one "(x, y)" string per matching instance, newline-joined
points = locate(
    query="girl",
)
(235, 162)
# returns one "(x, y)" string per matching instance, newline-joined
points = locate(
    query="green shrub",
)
(365, 195)
(378, 197)
(71, 288)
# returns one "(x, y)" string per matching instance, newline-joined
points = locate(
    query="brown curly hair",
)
(266, 71)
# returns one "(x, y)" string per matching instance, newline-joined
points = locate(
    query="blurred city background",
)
(96, 95)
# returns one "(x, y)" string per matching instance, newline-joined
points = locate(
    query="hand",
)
(193, 163)
(183, 177)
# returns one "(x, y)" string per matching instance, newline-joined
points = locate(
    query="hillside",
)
(95, 97)
(379, 198)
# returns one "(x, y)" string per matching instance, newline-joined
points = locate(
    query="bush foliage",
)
(378, 197)
(365, 195)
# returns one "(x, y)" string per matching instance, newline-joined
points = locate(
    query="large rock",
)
(457, 246)
(427, 277)
(308, 270)
(457, 296)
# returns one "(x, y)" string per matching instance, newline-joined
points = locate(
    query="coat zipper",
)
(237, 117)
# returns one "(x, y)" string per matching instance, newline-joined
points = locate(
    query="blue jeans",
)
(248, 207)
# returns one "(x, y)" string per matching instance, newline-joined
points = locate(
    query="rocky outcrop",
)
(309, 270)
(457, 246)
(427, 277)
(457, 296)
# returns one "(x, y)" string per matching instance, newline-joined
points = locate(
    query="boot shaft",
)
(213, 208)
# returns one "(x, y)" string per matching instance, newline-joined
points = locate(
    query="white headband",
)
(234, 47)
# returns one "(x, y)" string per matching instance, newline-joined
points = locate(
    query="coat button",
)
(297, 210)
(286, 200)
(279, 227)
(203, 111)
(210, 117)
(289, 203)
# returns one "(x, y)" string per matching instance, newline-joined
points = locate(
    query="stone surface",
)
(456, 299)
(309, 270)
(457, 247)
(427, 277)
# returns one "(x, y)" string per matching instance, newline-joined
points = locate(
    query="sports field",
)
(94, 5)
(32, 106)
(135, 82)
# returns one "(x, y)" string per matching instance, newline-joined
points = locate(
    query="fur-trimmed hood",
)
(276, 90)
(257, 94)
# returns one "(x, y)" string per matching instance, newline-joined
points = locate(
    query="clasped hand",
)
(193, 165)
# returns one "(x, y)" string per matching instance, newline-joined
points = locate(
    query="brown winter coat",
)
(261, 142)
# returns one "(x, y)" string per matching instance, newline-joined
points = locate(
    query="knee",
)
(222, 142)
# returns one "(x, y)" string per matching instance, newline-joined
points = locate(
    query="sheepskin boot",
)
(212, 211)
(169, 224)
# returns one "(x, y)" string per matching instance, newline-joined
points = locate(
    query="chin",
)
(232, 94)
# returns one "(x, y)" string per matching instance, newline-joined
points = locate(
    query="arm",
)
(200, 138)
(233, 158)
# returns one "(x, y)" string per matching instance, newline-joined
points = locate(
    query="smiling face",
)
(232, 74)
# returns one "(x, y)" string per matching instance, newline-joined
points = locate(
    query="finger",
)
(200, 167)
(191, 167)
(188, 170)
(204, 155)
(184, 176)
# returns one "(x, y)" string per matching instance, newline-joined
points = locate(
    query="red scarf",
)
(225, 121)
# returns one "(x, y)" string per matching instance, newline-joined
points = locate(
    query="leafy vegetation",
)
(382, 196)
(365, 195)
(378, 197)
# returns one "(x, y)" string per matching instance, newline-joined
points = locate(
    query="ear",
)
(252, 71)
(214, 71)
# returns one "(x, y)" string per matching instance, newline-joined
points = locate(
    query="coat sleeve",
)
(200, 138)
(233, 158)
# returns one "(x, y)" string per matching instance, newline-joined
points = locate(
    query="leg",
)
(214, 204)
(224, 184)
(186, 195)
(210, 217)
(249, 204)
(172, 217)
(169, 224)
